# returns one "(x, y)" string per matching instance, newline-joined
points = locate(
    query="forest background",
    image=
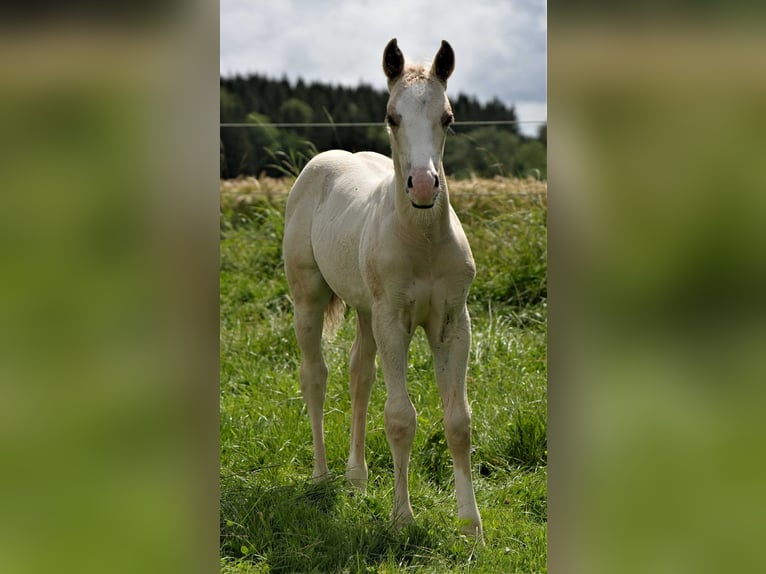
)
(479, 147)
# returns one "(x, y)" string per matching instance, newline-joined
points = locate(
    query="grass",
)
(273, 518)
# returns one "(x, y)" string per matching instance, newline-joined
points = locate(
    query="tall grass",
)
(273, 518)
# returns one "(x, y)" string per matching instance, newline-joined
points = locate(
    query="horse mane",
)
(415, 73)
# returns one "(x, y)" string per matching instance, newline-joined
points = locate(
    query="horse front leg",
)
(393, 336)
(450, 341)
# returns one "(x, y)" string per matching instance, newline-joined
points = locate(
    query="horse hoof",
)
(473, 530)
(319, 476)
(357, 476)
(403, 519)
(359, 484)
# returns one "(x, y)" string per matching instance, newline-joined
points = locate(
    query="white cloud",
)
(500, 46)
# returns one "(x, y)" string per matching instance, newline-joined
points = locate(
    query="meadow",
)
(273, 517)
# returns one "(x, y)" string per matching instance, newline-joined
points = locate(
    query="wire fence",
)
(365, 124)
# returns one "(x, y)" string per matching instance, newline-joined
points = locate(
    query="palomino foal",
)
(382, 236)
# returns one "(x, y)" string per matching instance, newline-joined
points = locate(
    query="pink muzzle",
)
(423, 187)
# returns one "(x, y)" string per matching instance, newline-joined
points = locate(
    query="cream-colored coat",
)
(381, 236)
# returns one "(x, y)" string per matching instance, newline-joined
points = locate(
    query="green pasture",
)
(273, 518)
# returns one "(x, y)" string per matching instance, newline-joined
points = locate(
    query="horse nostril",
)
(409, 182)
(436, 181)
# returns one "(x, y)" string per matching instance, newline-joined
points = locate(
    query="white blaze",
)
(418, 146)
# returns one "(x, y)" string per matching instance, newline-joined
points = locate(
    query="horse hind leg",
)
(362, 375)
(311, 296)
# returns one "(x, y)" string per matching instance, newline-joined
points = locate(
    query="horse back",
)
(330, 206)
(338, 175)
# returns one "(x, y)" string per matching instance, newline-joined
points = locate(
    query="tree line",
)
(483, 151)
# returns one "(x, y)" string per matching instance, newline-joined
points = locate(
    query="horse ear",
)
(444, 63)
(393, 60)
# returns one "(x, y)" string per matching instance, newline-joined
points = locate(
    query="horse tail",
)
(333, 317)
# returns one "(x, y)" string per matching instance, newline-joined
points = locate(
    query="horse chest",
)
(420, 299)
(418, 286)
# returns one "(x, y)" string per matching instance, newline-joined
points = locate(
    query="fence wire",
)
(365, 124)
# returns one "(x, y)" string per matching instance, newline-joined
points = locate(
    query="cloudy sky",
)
(500, 45)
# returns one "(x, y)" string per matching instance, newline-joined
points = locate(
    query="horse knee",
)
(457, 428)
(313, 376)
(401, 421)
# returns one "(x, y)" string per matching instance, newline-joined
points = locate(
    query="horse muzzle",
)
(423, 187)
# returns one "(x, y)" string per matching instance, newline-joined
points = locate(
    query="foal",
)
(381, 236)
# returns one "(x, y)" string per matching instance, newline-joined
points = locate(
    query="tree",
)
(484, 151)
(295, 111)
(542, 135)
(531, 160)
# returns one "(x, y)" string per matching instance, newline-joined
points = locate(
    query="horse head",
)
(418, 116)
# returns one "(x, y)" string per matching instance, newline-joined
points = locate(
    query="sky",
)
(500, 45)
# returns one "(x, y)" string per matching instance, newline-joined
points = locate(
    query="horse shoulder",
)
(462, 248)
